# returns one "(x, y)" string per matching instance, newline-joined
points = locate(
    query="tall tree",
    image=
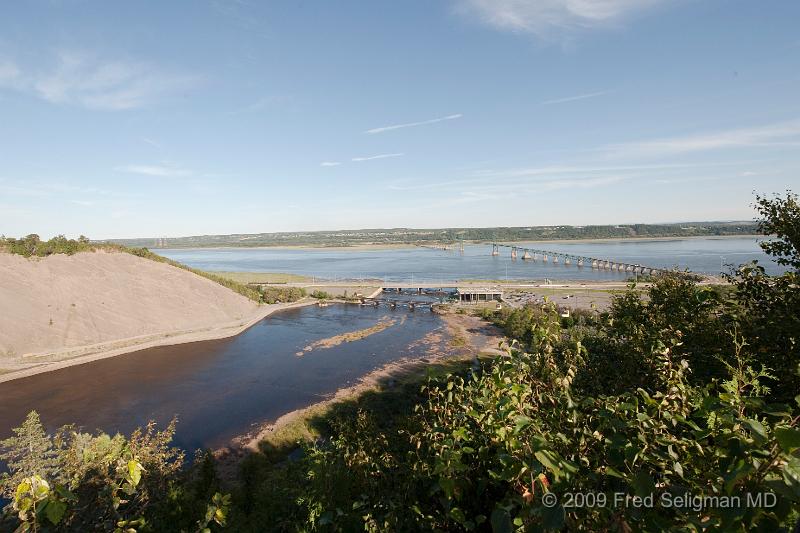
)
(29, 452)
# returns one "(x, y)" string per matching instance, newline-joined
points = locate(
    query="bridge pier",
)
(555, 259)
(514, 253)
(526, 256)
(495, 250)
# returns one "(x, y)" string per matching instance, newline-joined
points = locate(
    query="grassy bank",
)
(263, 277)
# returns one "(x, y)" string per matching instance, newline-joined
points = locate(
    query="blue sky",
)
(124, 119)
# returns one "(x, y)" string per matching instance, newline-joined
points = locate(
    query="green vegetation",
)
(33, 246)
(76, 481)
(274, 295)
(321, 295)
(675, 410)
(450, 235)
(263, 277)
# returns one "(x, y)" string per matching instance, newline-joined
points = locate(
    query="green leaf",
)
(458, 515)
(521, 422)
(501, 521)
(755, 427)
(643, 484)
(135, 471)
(54, 511)
(546, 458)
(788, 438)
(553, 517)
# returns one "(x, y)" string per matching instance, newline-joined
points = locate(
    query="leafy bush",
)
(483, 448)
(76, 481)
(321, 295)
(32, 245)
(271, 295)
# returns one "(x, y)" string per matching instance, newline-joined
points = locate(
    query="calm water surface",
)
(218, 389)
(709, 255)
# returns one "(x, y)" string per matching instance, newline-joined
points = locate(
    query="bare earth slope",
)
(61, 302)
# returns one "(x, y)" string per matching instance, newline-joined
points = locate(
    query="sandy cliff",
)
(62, 303)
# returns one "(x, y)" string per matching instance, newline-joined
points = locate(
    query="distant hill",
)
(422, 236)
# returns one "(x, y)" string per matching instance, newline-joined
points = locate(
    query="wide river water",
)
(219, 389)
(706, 255)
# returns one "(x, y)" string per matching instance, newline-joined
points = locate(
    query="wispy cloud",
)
(35, 188)
(379, 156)
(413, 124)
(330, 164)
(9, 73)
(529, 175)
(573, 98)
(162, 171)
(151, 142)
(77, 78)
(517, 183)
(83, 203)
(261, 104)
(551, 18)
(778, 134)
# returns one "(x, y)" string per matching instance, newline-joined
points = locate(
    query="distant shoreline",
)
(637, 238)
(408, 246)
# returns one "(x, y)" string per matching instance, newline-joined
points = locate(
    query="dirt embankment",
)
(63, 308)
